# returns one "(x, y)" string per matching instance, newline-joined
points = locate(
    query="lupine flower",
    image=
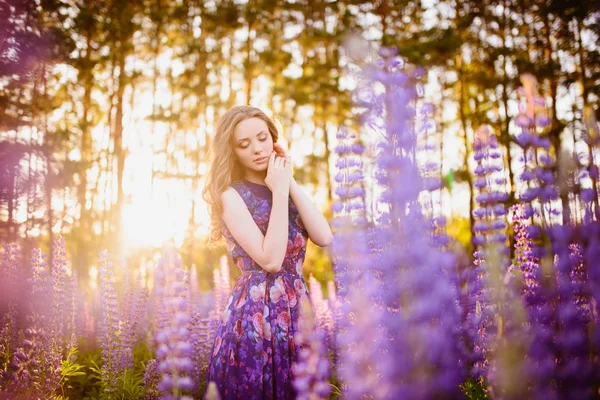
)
(174, 352)
(322, 312)
(202, 334)
(109, 325)
(412, 347)
(8, 327)
(311, 370)
(537, 176)
(580, 281)
(151, 379)
(136, 299)
(222, 285)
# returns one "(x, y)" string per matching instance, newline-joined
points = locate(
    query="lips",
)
(261, 159)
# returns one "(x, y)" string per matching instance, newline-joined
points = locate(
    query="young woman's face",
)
(252, 144)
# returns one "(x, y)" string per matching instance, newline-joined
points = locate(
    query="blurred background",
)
(108, 107)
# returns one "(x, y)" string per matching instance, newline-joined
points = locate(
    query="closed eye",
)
(245, 146)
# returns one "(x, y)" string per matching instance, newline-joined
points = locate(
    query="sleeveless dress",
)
(254, 348)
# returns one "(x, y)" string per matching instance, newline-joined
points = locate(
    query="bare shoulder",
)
(232, 201)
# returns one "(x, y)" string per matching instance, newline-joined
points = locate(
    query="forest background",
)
(108, 107)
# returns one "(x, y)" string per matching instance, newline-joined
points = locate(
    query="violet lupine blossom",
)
(59, 300)
(537, 361)
(580, 281)
(151, 379)
(574, 370)
(359, 337)
(481, 300)
(421, 321)
(322, 312)
(194, 290)
(311, 371)
(37, 343)
(526, 262)
(538, 189)
(490, 188)
(174, 351)
(202, 335)
(412, 339)
(222, 284)
(135, 302)
(110, 340)
(8, 308)
(590, 241)
(591, 136)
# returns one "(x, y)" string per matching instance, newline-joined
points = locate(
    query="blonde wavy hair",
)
(224, 168)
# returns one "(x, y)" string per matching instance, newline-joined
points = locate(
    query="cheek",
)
(240, 155)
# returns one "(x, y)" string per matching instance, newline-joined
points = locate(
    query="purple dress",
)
(254, 347)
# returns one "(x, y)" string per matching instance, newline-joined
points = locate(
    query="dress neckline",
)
(255, 184)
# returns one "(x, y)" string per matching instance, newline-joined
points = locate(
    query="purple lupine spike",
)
(219, 293)
(151, 380)
(37, 374)
(195, 294)
(9, 281)
(409, 341)
(59, 281)
(525, 259)
(109, 325)
(136, 299)
(174, 348)
(311, 371)
(579, 279)
(72, 299)
(317, 300)
(201, 338)
(225, 280)
(574, 369)
(538, 189)
(590, 241)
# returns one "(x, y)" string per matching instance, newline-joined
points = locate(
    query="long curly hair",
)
(224, 168)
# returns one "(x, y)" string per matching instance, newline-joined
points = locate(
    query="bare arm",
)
(315, 223)
(267, 250)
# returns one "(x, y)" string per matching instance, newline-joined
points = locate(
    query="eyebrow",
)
(259, 133)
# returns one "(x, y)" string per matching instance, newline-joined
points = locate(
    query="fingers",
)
(288, 161)
(279, 149)
(272, 160)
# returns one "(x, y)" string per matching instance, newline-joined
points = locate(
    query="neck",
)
(255, 177)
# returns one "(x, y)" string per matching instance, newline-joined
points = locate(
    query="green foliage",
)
(87, 383)
(69, 369)
(474, 390)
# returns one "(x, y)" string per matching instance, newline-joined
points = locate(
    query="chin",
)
(259, 168)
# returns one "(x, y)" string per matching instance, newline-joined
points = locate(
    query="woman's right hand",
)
(279, 175)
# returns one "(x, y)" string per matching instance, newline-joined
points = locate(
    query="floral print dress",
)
(254, 347)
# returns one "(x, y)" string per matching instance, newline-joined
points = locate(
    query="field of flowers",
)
(406, 318)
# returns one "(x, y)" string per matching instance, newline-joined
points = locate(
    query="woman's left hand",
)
(280, 151)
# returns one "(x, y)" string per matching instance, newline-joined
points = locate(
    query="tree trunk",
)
(248, 65)
(464, 125)
(118, 144)
(585, 93)
(86, 152)
(504, 130)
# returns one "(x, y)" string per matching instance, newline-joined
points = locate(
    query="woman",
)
(266, 219)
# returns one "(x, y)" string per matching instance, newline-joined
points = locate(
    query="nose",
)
(257, 149)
